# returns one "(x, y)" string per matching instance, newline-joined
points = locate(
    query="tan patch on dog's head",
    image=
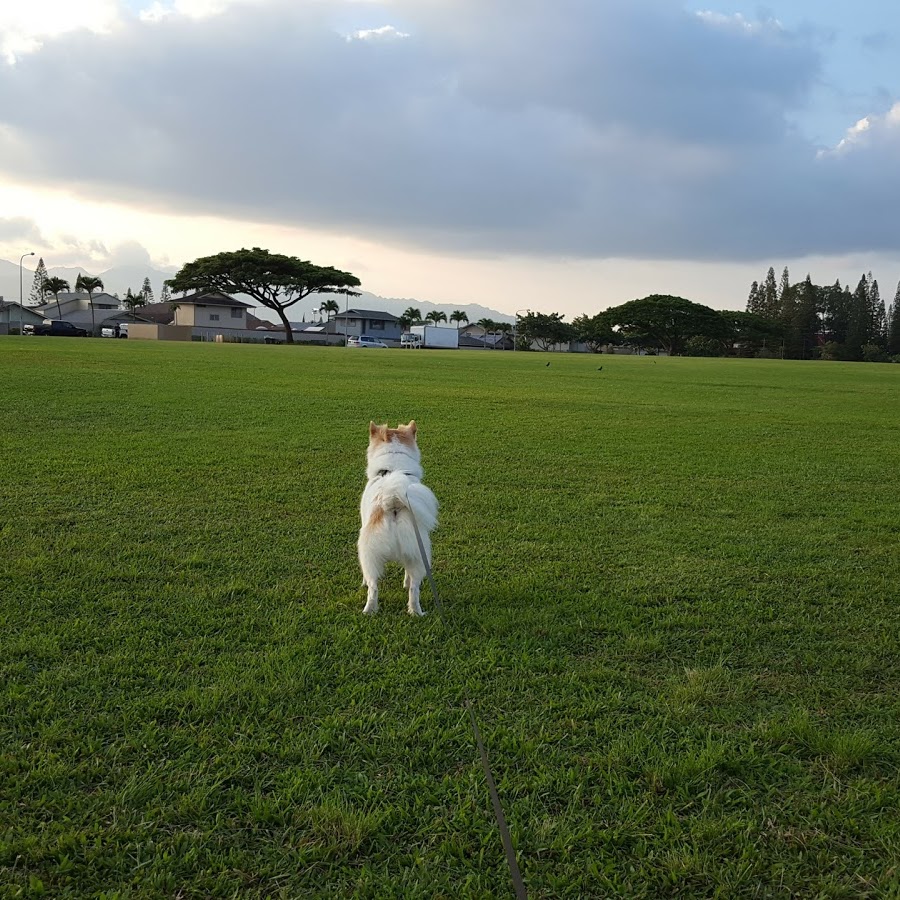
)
(383, 434)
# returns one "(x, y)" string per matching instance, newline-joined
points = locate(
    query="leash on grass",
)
(505, 836)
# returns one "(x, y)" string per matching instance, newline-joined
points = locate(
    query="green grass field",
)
(674, 586)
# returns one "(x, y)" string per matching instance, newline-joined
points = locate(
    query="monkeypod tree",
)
(543, 330)
(666, 322)
(594, 331)
(275, 281)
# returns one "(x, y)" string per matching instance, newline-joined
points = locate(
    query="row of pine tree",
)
(843, 324)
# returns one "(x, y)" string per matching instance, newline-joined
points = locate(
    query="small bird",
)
(548, 364)
(600, 369)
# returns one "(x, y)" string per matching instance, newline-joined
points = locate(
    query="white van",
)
(365, 341)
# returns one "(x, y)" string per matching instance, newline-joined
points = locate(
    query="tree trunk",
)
(288, 334)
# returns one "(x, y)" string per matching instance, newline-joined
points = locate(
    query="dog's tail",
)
(392, 501)
(423, 506)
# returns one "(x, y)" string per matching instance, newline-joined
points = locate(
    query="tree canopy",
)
(664, 321)
(543, 330)
(274, 280)
(593, 331)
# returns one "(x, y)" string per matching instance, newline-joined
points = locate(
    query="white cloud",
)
(385, 32)
(868, 132)
(739, 22)
(24, 26)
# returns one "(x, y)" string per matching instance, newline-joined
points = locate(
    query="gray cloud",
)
(583, 127)
(20, 228)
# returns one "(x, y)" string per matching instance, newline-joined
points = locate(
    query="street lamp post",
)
(29, 253)
(516, 327)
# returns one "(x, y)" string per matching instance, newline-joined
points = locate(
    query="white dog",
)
(394, 474)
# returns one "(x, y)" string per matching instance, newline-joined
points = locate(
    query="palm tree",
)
(459, 316)
(436, 316)
(54, 286)
(329, 307)
(89, 284)
(489, 326)
(412, 315)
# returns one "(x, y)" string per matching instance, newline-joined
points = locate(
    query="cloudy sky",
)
(517, 153)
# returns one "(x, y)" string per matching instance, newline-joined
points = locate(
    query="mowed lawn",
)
(675, 603)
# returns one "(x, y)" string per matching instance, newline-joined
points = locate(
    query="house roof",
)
(82, 317)
(255, 322)
(370, 314)
(160, 313)
(64, 296)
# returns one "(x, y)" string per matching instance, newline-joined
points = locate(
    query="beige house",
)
(209, 309)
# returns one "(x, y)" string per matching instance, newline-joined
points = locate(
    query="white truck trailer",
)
(434, 337)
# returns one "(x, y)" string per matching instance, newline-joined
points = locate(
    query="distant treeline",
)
(842, 324)
(791, 321)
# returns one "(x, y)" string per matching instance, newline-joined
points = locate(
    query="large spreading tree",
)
(275, 281)
(593, 331)
(666, 322)
(543, 330)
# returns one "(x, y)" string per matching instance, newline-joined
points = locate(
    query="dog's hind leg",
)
(412, 581)
(372, 599)
(413, 607)
(371, 576)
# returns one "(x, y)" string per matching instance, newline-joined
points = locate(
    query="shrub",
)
(874, 353)
(702, 346)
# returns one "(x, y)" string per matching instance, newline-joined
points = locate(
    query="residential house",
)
(93, 314)
(475, 337)
(205, 315)
(209, 309)
(72, 302)
(372, 322)
(13, 316)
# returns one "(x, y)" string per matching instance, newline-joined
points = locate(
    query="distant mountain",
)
(397, 306)
(115, 281)
(118, 279)
(9, 279)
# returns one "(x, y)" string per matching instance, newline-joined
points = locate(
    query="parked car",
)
(55, 328)
(119, 330)
(365, 341)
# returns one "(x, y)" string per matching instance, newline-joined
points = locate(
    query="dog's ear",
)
(411, 428)
(373, 429)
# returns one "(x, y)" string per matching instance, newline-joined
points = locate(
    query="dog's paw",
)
(370, 609)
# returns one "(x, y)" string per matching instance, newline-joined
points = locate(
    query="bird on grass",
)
(600, 368)
(548, 364)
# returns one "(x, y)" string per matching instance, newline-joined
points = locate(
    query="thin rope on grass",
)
(505, 836)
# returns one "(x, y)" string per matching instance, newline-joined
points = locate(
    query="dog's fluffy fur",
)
(394, 474)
